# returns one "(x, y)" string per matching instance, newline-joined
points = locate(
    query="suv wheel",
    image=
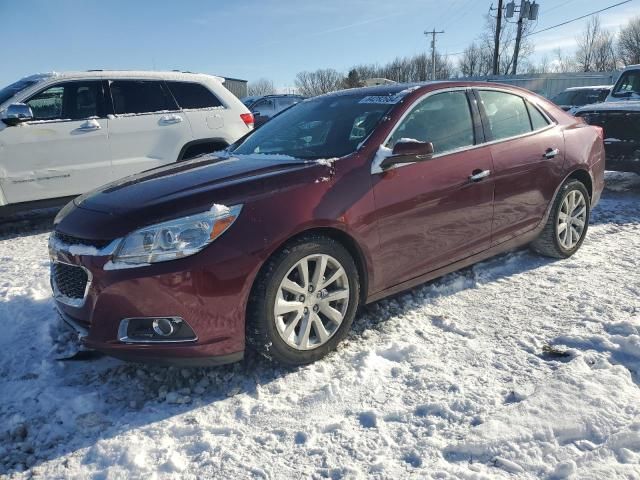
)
(304, 301)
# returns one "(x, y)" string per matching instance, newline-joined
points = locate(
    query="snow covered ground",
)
(520, 367)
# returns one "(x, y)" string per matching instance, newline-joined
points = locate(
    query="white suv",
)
(63, 134)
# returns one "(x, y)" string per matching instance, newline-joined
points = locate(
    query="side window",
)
(507, 114)
(69, 101)
(140, 96)
(47, 105)
(443, 119)
(193, 95)
(264, 107)
(538, 120)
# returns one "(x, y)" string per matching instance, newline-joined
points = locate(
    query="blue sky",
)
(253, 38)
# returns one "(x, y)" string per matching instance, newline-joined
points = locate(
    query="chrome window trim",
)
(376, 170)
(124, 326)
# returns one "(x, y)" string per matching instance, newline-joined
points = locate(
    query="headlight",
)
(174, 239)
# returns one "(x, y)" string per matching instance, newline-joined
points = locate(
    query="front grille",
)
(69, 280)
(70, 240)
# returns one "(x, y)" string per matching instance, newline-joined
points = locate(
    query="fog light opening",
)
(155, 330)
(163, 327)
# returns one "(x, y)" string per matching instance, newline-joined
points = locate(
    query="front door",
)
(431, 213)
(64, 151)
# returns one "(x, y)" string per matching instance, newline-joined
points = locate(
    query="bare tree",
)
(563, 63)
(629, 42)
(318, 82)
(477, 59)
(596, 48)
(262, 86)
(352, 80)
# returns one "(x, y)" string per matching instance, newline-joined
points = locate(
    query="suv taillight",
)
(247, 118)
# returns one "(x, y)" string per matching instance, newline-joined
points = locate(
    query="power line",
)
(578, 18)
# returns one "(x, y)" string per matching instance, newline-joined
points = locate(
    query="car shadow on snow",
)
(27, 224)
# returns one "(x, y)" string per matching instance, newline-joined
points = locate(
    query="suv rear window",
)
(193, 95)
(140, 96)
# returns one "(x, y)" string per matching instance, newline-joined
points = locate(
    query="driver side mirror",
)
(408, 151)
(16, 113)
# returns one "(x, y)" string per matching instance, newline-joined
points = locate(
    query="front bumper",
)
(209, 290)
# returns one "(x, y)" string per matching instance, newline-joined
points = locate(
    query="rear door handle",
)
(478, 175)
(551, 153)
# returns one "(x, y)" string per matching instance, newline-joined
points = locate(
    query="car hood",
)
(622, 106)
(190, 186)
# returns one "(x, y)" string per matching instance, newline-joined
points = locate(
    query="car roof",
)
(164, 75)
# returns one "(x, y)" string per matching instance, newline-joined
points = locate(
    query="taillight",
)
(247, 118)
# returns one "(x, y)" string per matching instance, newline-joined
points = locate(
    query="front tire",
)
(304, 301)
(567, 225)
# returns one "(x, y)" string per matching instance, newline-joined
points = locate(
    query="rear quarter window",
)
(538, 120)
(191, 95)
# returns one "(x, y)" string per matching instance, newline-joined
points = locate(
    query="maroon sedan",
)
(340, 201)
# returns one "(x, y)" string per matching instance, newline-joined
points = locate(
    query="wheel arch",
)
(202, 142)
(583, 176)
(346, 240)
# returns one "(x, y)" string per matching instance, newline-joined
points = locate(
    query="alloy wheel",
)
(311, 302)
(571, 219)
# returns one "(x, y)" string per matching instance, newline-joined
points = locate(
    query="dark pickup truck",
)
(619, 117)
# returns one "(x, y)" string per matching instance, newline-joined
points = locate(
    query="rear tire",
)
(567, 225)
(294, 317)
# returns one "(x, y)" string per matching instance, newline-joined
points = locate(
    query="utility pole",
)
(516, 49)
(496, 46)
(528, 11)
(433, 34)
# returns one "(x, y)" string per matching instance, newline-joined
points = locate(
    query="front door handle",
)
(478, 175)
(551, 153)
(171, 119)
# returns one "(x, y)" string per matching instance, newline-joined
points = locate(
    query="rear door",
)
(147, 129)
(527, 151)
(64, 151)
(431, 213)
(203, 109)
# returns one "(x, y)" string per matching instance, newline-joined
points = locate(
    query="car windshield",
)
(12, 90)
(564, 98)
(323, 127)
(628, 85)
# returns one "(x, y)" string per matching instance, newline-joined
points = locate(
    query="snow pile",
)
(519, 367)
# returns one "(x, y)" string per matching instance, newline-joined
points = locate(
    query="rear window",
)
(140, 96)
(193, 95)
